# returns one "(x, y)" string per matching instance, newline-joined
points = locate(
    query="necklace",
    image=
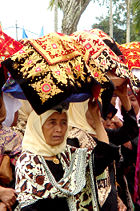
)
(53, 159)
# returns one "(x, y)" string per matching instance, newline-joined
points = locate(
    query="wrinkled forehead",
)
(57, 115)
(53, 114)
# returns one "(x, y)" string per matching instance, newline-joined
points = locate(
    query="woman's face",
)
(134, 103)
(54, 128)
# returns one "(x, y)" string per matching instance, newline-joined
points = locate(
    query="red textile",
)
(131, 52)
(8, 46)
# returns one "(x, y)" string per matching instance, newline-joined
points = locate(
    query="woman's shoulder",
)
(26, 156)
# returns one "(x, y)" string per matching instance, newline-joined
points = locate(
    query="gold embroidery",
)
(38, 69)
(55, 48)
(44, 96)
(15, 65)
(23, 53)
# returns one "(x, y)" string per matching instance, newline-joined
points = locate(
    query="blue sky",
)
(32, 15)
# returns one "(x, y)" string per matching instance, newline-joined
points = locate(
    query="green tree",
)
(136, 14)
(73, 9)
(118, 33)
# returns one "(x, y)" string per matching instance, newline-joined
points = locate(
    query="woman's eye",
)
(53, 122)
(64, 122)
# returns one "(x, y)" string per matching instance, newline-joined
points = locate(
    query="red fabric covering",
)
(8, 46)
(131, 52)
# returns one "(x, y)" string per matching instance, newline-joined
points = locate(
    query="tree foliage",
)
(136, 14)
(73, 9)
(118, 33)
(119, 23)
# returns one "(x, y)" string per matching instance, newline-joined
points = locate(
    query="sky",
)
(32, 15)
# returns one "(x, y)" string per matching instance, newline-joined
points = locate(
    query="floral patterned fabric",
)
(49, 70)
(53, 67)
(35, 181)
(101, 56)
(102, 180)
(10, 142)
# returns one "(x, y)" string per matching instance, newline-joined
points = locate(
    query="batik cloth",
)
(77, 184)
(102, 180)
(10, 143)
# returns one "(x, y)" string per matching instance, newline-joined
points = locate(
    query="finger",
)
(13, 200)
(8, 206)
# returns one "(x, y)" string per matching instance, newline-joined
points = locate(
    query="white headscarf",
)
(34, 140)
(77, 117)
(12, 105)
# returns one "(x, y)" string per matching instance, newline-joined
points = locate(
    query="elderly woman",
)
(10, 148)
(50, 173)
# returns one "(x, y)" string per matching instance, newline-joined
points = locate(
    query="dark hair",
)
(61, 106)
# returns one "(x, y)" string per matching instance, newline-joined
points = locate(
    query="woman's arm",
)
(94, 110)
(129, 130)
(122, 93)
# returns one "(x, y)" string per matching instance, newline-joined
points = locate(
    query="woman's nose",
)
(58, 128)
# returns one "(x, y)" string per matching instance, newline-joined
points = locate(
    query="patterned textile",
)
(101, 34)
(103, 57)
(103, 180)
(34, 178)
(8, 46)
(131, 52)
(10, 143)
(49, 70)
(137, 176)
(108, 41)
(85, 140)
(53, 67)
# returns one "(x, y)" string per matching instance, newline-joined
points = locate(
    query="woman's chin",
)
(57, 141)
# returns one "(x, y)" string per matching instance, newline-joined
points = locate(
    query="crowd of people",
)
(70, 157)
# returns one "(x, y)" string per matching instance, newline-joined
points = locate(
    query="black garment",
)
(111, 204)
(104, 155)
(127, 132)
(48, 205)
